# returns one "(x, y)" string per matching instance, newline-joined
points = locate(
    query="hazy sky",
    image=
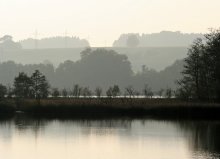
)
(102, 21)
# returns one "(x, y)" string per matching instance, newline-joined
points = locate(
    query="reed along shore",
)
(110, 108)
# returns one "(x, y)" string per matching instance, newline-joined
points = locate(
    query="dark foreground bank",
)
(110, 108)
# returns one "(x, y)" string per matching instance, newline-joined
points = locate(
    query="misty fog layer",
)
(155, 58)
(65, 61)
(145, 50)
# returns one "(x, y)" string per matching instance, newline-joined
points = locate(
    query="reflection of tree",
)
(105, 123)
(6, 128)
(203, 135)
(24, 123)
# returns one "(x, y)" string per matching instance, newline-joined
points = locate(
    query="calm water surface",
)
(24, 138)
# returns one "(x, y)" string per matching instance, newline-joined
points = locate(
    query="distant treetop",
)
(7, 43)
(132, 40)
(162, 39)
(54, 42)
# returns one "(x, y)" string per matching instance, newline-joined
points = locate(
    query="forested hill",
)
(54, 42)
(162, 39)
(99, 67)
(152, 57)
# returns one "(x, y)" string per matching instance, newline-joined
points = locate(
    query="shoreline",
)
(90, 108)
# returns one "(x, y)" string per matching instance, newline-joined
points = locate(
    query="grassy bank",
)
(106, 107)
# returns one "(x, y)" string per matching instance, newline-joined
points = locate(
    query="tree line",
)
(155, 39)
(36, 86)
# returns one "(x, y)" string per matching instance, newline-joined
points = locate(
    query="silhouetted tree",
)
(160, 92)
(64, 93)
(147, 91)
(77, 90)
(212, 59)
(3, 91)
(136, 93)
(168, 93)
(129, 90)
(55, 92)
(109, 92)
(40, 86)
(116, 91)
(201, 75)
(86, 92)
(98, 92)
(23, 86)
(10, 91)
(193, 69)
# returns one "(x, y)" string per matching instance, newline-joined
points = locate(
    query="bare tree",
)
(9, 91)
(86, 92)
(160, 92)
(168, 93)
(116, 91)
(77, 90)
(109, 92)
(3, 91)
(64, 93)
(130, 91)
(98, 92)
(147, 91)
(55, 92)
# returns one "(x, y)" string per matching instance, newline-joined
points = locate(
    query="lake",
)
(26, 138)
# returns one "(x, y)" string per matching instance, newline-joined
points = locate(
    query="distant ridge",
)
(54, 42)
(162, 39)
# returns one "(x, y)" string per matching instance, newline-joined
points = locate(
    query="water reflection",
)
(203, 137)
(23, 137)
